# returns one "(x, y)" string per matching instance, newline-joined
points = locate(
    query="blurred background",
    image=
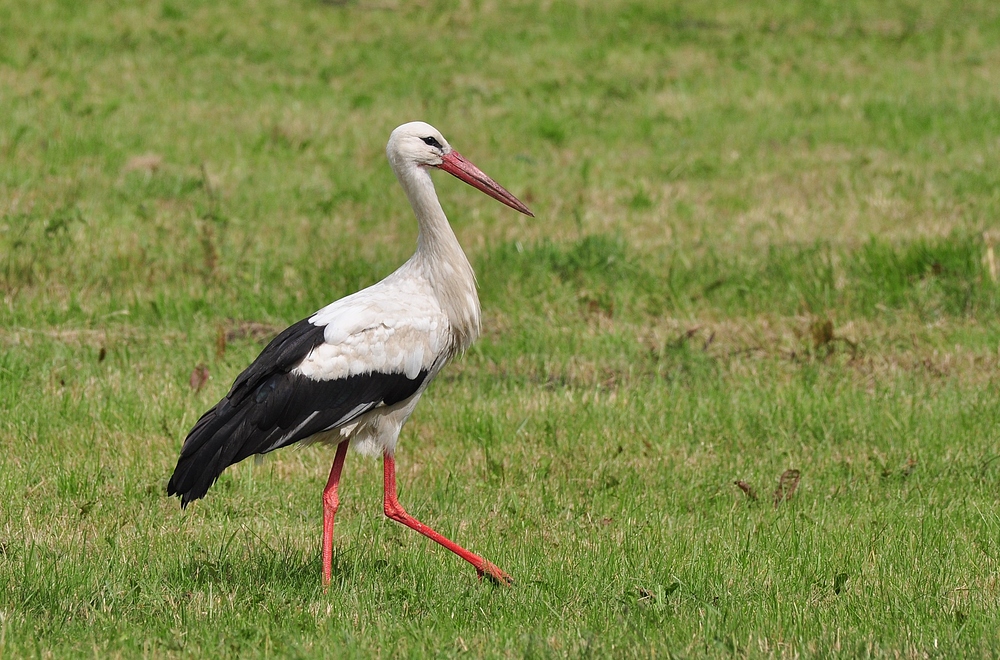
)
(180, 148)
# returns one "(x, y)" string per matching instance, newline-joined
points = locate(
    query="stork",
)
(352, 373)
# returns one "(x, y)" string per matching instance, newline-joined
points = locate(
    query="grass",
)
(765, 242)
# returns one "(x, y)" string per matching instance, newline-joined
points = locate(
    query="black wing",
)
(268, 408)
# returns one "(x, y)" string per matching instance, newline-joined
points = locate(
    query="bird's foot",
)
(494, 574)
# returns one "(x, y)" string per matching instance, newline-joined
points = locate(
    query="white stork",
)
(353, 372)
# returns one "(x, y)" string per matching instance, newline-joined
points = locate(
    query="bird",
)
(352, 373)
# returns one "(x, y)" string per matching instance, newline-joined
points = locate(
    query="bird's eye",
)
(432, 142)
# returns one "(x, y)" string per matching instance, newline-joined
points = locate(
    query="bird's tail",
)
(210, 447)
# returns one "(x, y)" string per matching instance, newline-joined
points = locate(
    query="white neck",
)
(439, 256)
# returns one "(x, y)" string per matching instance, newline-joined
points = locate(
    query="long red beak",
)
(455, 164)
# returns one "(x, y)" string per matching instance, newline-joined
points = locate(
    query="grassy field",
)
(765, 241)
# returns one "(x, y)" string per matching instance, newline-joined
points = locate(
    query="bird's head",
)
(420, 144)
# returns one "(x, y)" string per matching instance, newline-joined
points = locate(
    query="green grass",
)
(765, 240)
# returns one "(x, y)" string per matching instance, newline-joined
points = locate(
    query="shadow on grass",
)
(282, 568)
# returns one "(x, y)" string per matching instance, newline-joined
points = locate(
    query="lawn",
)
(737, 392)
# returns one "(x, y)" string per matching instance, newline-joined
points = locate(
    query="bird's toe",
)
(494, 574)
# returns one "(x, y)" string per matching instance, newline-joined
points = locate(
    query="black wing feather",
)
(268, 408)
(279, 356)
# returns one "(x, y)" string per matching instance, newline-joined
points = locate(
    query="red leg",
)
(394, 510)
(330, 503)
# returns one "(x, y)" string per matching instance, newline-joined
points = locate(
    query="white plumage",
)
(353, 371)
(370, 332)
